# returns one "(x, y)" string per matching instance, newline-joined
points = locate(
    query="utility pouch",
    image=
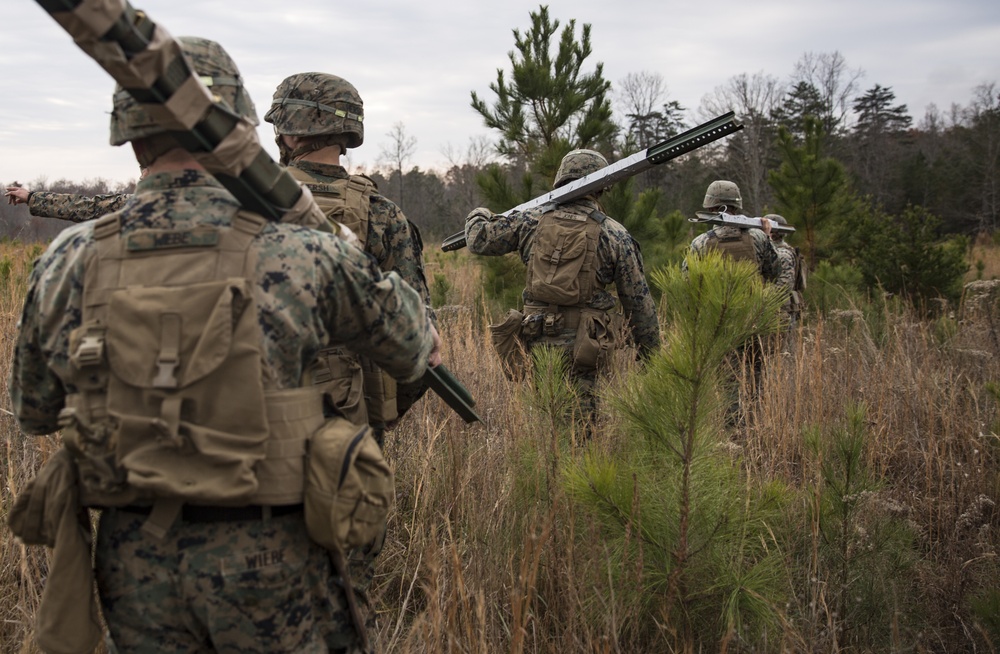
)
(339, 373)
(505, 341)
(553, 324)
(531, 327)
(594, 341)
(349, 486)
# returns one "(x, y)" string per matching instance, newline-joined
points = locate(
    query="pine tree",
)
(803, 100)
(878, 136)
(549, 106)
(549, 103)
(810, 188)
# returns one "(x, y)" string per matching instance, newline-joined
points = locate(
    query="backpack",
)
(562, 268)
(343, 201)
(737, 245)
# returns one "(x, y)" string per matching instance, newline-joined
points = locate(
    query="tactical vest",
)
(346, 377)
(739, 246)
(171, 403)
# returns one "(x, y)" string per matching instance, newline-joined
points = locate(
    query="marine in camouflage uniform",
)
(618, 263)
(229, 579)
(317, 117)
(741, 244)
(752, 244)
(788, 258)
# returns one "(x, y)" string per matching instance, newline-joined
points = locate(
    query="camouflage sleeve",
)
(697, 248)
(492, 234)
(374, 314)
(786, 276)
(767, 254)
(50, 312)
(76, 208)
(396, 245)
(633, 292)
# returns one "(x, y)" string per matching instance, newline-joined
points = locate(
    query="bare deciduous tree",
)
(750, 152)
(836, 83)
(397, 153)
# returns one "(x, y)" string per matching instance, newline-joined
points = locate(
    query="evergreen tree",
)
(906, 255)
(549, 103)
(878, 138)
(803, 100)
(811, 189)
(876, 115)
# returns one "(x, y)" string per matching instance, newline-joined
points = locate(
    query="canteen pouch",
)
(505, 337)
(349, 486)
(594, 340)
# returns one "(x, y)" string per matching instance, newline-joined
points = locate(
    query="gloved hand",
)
(480, 212)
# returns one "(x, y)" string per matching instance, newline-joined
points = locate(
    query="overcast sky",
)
(417, 62)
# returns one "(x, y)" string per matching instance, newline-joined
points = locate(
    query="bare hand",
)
(16, 195)
(765, 226)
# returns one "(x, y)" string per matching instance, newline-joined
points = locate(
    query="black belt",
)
(203, 514)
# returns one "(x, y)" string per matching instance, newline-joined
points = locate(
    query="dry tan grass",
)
(485, 553)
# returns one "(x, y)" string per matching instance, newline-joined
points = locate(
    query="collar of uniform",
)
(320, 170)
(176, 179)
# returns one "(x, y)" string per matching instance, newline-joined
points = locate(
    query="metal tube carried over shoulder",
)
(736, 220)
(672, 148)
(149, 64)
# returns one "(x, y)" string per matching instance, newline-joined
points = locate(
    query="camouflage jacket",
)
(767, 255)
(787, 260)
(392, 239)
(73, 207)
(618, 255)
(312, 291)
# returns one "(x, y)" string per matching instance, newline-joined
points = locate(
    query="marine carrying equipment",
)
(136, 52)
(655, 155)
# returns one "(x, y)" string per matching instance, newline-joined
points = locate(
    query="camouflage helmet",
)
(577, 164)
(217, 71)
(314, 104)
(722, 192)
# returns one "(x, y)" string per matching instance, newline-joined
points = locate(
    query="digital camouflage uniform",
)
(326, 110)
(393, 241)
(221, 584)
(787, 260)
(742, 244)
(74, 207)
(619, 262)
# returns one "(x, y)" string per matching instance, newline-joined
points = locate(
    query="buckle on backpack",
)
(90, 350)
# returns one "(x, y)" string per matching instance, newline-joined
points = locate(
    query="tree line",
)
(847, 166)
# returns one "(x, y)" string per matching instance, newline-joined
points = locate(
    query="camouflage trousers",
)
(234, 587)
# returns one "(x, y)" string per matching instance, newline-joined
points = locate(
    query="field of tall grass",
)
(852, 508)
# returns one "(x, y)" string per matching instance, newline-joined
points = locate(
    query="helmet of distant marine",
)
(577, 164)
(722, 192)
(217, 70)
(314, 104)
